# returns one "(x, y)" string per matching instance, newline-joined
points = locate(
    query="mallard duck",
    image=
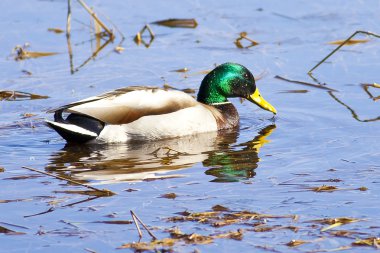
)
(150, 113)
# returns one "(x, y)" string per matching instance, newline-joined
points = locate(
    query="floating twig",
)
(142, 223)
(51, 209)
(341, 45)
(305, 83)
(104, 191)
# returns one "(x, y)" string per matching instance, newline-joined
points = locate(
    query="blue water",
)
(268, 166)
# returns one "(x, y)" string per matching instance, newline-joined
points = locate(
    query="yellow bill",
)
(261, 102)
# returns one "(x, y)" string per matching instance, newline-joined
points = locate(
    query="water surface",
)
(268, 166)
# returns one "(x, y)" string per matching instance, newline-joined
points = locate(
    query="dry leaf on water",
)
(331, 188)
(183, 23)
(225, 217)
(335, 222)
(324, 188)
(371, 241)
(56, 30)
(20, 53)
(348, 43)
(170, 195)
(295, 243)
(180, 70)
(19, 95)
(149, 246)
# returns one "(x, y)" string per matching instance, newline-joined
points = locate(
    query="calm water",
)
(269, 166)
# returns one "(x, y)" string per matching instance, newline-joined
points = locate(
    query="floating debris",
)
(119, 49)
(171, 195)
(219, 208)
(149, 246)
(225, 218)
(334, 222)
(56, 30)
(139, 36)
(348, 43)
(346, 233)
(243, 36)
(4, 230)
(371, 241)
(13, 200)
(296, 243)
(264, 228)
(177, 236)
(183, 70)
(294, 91)
(21, 53)
(366, 86)
(26, 72)
(182, 23)
(115, 222)
(27, 115)
(19, 95)
(131, 190)
(324, 188)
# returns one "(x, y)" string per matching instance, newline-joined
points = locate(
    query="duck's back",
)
(134, 113)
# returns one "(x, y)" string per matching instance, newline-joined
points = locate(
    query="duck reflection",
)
(226, 160)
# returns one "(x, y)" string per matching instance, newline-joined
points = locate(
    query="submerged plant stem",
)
(353, 113)
(104, 192)
(111, 35)
(305, 83)
(142, 223)
(341, 45)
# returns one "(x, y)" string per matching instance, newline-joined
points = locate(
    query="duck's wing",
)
(126, 105)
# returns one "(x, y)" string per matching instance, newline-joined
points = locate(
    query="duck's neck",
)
(230, 115)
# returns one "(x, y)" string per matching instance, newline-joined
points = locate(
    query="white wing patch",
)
(73, 128)
(128, 107)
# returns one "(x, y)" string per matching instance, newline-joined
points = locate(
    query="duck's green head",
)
(231, 80)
